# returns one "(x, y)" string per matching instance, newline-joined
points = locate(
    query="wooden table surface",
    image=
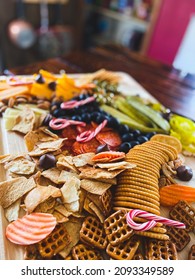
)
(164, 83)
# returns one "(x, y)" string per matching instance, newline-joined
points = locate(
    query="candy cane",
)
(153, 219)
(88, 135)
(74, 103)
(58, 124)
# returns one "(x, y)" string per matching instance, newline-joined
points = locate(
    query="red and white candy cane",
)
(88, 135)
(74, 103)
(57, 124)
(152, 220)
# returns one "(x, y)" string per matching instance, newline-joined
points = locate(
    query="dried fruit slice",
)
(31, 228)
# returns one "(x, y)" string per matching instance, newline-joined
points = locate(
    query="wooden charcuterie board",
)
(12, 143)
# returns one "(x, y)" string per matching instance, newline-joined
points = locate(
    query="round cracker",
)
(137, 195)
(149, 158)
(154, 149)
(160, 236)
(137, 189)
(141, 201)
(135, 180)
(133, 205)
(168, 139)
(147, 153)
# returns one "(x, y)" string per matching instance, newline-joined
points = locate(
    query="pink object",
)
(58, 124)
(169, 29)
(153, 219)
(88, 135)
(73, 103)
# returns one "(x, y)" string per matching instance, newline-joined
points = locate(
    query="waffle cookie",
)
(125, 250)
(54, 242)
(84, 252)
(184, 213)
(160, 250)
(116, 228)
(191, 254)
(92, 233)
(179, 237)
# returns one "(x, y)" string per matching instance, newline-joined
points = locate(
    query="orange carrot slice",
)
(171, 194)
(31, 228)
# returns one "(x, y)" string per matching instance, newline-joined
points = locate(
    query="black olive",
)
(142, 139)
(184, 173)
(125, 147)
(47, 161)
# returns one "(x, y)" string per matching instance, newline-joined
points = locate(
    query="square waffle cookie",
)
(83, 252)
(54, 242)
(160, 250)
(125, 250)
(116, 228)
(184, 213)
(191, 254)
(92, 233)
(179, 237)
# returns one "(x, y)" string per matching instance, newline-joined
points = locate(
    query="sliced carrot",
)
(171, 194)
(31, 228)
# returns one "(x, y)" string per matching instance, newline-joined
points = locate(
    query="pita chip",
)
(12, 212)
(21, 166)
(70, 190)
(89, 172)
(116, 165)
(52, 174)
(94, 186)
(25, 121)
(83, 159)
(39, 195)
(13, 189)
(66, 175)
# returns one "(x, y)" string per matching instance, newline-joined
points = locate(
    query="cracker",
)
(13, 189)
(129, 198)
(132, 205)
(24, 121)
(116, 228)
(94, 186)
(125, 250)
(139, 195)
(161, 250)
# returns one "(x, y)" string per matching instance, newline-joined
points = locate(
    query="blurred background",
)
(33, 30)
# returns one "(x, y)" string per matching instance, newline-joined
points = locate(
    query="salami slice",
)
(91, 146)
(111, 138)
(69, 132)
(77, 148)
